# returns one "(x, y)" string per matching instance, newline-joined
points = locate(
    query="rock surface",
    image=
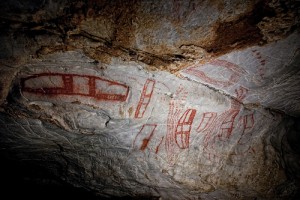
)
(160, 99)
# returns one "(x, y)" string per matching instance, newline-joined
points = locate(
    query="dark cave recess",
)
(20, 180)
(28, 181)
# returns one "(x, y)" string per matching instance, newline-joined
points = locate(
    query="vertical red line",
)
(68, 84)
(157, 148)
(245, 122)
(92, 86)
(181, 135)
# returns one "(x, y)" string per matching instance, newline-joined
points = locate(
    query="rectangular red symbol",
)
(74, 84)
(145, 98)
(183, 128)
(248, 121)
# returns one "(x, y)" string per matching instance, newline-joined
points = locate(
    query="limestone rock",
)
(160, 99)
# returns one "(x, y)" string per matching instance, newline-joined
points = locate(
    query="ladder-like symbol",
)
(145, 98)
(64, 84)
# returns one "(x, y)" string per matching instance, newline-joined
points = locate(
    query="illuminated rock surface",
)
(170, 100)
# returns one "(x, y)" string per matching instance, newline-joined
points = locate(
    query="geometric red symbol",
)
(234, 69)
(218, 134)
(226, 126)
(73, 84)
(206, 121)
(183, 129)
(248, 121)
(145, 98)
(261, 68)
(144, 136)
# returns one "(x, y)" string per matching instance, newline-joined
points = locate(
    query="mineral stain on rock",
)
(130, 111)
(118, 28)
(241, 32)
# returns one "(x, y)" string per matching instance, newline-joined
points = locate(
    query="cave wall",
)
(168, 99)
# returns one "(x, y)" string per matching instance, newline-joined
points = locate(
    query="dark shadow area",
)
(19, 180)
(31, 182)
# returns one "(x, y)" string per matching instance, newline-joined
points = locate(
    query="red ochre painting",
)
(145, 98)
(58, 84)
(218, 129)
(235, 70)
(144, 136)
(183, 128)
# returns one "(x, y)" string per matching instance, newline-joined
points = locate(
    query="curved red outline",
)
(235, 69)
(184, 135)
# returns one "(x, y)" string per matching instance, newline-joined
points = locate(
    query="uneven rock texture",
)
(160, 99)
